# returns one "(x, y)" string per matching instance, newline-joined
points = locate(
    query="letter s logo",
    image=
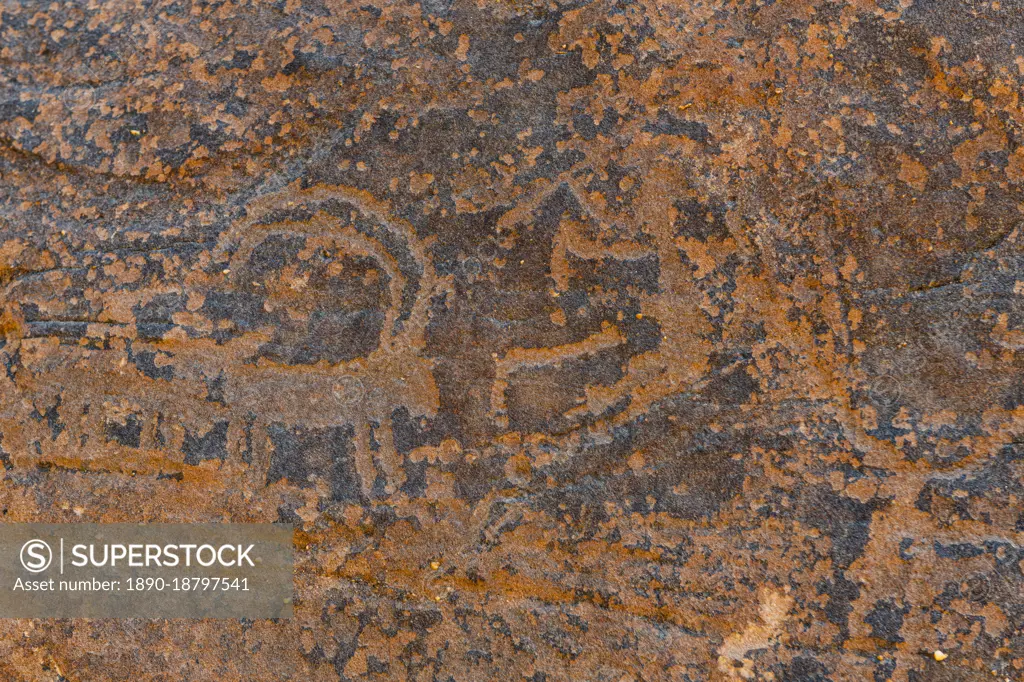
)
(36, 556)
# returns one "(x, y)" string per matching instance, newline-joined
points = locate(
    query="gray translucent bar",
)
(145, 570)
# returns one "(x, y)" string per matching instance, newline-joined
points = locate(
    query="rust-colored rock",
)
(578, 341)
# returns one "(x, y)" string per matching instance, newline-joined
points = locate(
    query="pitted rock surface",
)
(610, 340)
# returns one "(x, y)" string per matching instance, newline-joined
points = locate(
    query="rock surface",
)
(613, 341)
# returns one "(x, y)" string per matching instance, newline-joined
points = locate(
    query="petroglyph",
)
(615, 341)
(680, 359)
(253, 391)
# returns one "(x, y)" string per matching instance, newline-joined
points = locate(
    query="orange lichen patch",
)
(9, 325)
(913, 173)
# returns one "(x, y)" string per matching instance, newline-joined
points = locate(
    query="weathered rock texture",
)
(613, 341)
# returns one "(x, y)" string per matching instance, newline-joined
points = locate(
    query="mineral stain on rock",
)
(577, 341)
